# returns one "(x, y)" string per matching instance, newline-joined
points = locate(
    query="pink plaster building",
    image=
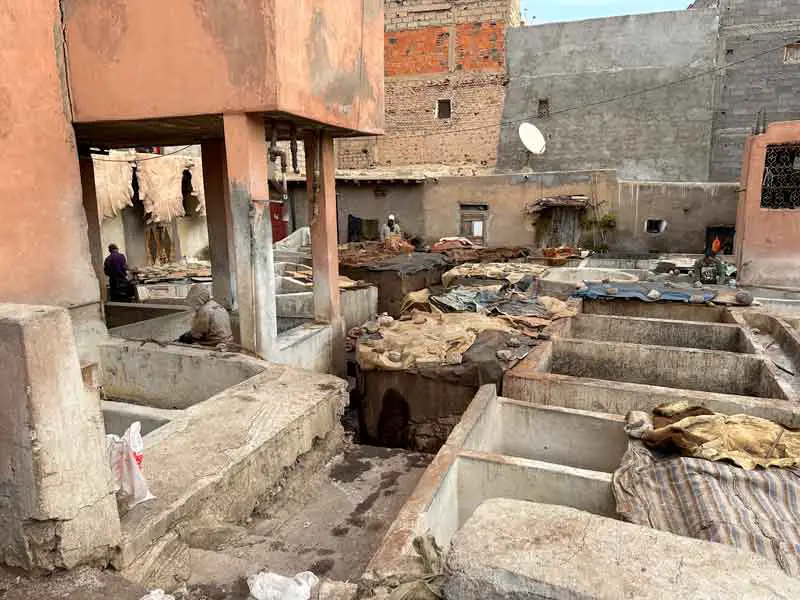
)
(81, 74)
(768, 217)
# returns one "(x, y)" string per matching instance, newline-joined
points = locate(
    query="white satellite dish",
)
(532, 138)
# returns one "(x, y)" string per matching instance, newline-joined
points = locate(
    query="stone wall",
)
(753, 29)
(663, 135)
(688, 209)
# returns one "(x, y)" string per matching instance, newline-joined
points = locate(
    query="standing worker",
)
(116, 269)
(211, 325)
(710, 269)
(389, 228)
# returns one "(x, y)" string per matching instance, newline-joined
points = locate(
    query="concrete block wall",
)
(689, 209)
(761, 30)
(663, 135)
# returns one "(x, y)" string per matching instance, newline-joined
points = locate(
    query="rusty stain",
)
(335, 85)
(240, 29)
(103, 29)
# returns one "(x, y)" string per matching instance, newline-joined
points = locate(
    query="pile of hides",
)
(452, 243)
(368, 254)
(725, 479)
(695, 431)
(424, 339)
(510, 272)
(172, 271)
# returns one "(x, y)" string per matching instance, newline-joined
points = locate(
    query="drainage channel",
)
(328, 516)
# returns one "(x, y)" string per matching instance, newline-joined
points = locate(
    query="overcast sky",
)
(545, 11)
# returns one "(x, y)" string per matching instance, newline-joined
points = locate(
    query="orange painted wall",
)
(44, 255)
(479, 46)
(132, 59)
(768, 246)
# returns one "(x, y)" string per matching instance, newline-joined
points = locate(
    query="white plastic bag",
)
(269, 586)
(125, 458)
(157, 595)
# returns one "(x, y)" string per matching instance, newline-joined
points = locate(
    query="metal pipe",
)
(293, 147)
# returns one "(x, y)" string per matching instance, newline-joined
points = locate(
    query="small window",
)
(655, 226)
(543, 109)
(444, 109)
(791, 54)
(473, 222)
(780, 187)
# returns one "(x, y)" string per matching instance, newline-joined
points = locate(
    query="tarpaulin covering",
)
(756, 510)
(467, 299)
(641, 291)
(511, 272)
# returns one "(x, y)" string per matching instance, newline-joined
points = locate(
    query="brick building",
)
(445, 74)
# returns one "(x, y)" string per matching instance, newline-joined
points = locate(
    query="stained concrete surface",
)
(79, 584)
(330, 524)
(512, 549)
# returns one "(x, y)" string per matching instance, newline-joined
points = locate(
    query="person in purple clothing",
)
(116, 269)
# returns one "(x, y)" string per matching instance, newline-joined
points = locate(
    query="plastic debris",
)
(270, 586)
(157, 595)
(125, 455)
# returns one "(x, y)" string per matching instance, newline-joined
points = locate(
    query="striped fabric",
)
(714, 501)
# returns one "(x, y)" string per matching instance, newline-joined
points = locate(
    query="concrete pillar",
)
(93, 219)
(250, 231)
(321, 182)
(215, 182)
(57, 507)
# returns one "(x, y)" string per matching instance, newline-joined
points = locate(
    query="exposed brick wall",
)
(425, 50)
(416, 135)
(437, 50)
(480, 46)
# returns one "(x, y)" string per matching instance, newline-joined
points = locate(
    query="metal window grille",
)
(780, 187)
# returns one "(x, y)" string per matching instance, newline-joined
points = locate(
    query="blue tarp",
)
(639, 291)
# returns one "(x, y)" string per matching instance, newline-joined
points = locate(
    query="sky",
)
(546, 11)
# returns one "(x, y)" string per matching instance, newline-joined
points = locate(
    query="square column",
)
(93, 219)
(321, 181)
(249, 232)
(215, 186)
(57, 508)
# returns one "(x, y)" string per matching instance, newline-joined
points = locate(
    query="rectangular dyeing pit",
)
(118, 416)
(673, 311)
(169, 377)
(557, 435)
(474, 478)
(681, 368)
(659, 332)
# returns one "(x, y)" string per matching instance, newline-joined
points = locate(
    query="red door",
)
(280, 228)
